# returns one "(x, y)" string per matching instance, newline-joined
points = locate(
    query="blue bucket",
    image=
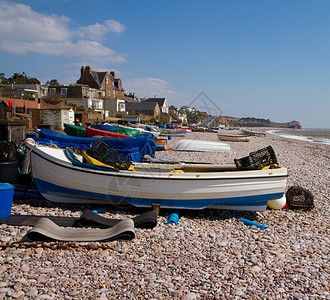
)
(6, 199)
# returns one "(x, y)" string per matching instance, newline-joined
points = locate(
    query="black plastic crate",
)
(264, 156)
(257, 159)
(8, 151)
(244, 163)
(298, 197)
(104, 153)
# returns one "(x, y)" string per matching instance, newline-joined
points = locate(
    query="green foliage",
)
(18, 78)
(53, 82)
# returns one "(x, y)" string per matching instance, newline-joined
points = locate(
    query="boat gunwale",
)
(148, 176)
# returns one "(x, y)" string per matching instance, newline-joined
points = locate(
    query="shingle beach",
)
(208, 255)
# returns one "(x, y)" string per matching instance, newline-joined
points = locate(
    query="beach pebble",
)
(208, 255)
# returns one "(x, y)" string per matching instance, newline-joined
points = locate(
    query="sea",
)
(319, 136)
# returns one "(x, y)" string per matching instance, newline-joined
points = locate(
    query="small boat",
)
(197, 145)
(174, 132)
(117, 129)
(234, 137)
(187, 129)
(61, 177)
(91, 132)
(75, 130)
(253, 133)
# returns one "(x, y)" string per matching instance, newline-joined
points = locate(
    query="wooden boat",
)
(253, 133)
(234, 137)
(197, 145)
(91, 132)
(60, 178)
(117, 129)
(174, 132)
(75, 130)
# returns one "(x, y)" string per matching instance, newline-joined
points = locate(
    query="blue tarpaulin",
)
(131, 147)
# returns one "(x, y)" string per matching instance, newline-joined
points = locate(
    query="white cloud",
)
(23, 30)
(98, 31)
(91, 50)
(149, 87)
(20, 22)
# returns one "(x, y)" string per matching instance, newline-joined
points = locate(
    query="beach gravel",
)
(208, 255)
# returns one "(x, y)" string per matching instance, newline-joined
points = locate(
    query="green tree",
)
(19, 78)
(53, 82)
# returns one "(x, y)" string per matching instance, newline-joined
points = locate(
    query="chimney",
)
(82, 74)
(88, 69)
(113, 74)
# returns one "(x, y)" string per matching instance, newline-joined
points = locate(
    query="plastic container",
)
(172, 219)
(8, 172)
(6, 199)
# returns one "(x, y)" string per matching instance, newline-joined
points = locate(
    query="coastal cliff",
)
(255, 122)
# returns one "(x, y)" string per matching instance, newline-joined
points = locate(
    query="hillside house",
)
(147, 110)
(109, 87)
(163, 105)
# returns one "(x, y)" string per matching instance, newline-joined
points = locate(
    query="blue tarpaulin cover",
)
(131, 147)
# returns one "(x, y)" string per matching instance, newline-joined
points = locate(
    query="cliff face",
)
(293, 124)
(255, 122)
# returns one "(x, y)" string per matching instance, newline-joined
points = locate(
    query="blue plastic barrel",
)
(6, 199)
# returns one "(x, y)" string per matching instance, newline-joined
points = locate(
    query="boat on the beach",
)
(117, 129)
(172, 132)
(233, 137)
(200, 146)
(61, 176)
(252, 132)
(92, 132)
(75, 130)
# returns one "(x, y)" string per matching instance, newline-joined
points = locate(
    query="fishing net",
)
(257, 159)
(103, 153)
(298, 197)
(8, 151)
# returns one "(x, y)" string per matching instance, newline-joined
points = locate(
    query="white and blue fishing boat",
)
(61, 176)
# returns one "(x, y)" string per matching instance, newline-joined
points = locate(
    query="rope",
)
(21, 150)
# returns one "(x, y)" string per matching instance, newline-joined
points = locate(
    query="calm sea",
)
(321, 136)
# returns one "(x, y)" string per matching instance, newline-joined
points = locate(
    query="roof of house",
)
(98, 77)
(130, 99)
(160, 101)
(141, 105)
(3, 101)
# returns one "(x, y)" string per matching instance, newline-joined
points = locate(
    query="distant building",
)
(145, 109)
(163, 105)
(107, 82)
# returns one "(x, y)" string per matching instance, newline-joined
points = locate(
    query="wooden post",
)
(155, 208)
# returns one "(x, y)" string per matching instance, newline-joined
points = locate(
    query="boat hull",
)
(59, 181)
(253, 133)
(233, 138)
(201, 146)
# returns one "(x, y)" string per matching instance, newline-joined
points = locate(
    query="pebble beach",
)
(208, 255)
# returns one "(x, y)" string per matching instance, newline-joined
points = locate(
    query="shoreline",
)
(209, 254)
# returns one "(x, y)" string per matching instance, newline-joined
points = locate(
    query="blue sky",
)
(264, 59)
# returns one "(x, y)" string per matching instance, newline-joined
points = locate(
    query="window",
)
(43, 92)
(106, 80)
(64, 92)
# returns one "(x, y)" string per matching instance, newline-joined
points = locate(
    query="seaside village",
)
(114, 182)
(91, 143)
